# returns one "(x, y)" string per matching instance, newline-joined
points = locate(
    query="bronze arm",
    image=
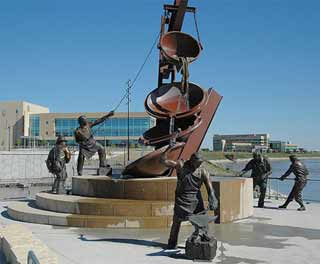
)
(102, 119)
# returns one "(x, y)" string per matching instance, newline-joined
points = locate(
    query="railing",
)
(32, 259)
(280, 189)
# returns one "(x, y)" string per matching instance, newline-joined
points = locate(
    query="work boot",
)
(302, 208)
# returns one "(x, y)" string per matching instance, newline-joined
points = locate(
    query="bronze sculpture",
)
(88, 146)
(301, 173)
(200, 245)
(58, 156)
(260, 170)
(176, 105)
(188, 199)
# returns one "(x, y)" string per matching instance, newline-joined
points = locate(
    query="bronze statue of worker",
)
(188, 199)
(88, 146)
(301, 172)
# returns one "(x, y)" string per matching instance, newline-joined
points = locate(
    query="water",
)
(279, 167)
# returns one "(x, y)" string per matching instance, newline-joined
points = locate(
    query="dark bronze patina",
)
(301, 172)
(58, 156)
(188, 199)
(88, 146)
(260, 170)
(200, 245)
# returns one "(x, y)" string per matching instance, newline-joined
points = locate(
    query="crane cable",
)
(134, 80)
(138, 72)
(197, 29)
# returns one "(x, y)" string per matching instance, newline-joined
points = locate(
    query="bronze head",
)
(61, 142)
(196, 160)
(293, 158)
(82, 121)
(256, 156)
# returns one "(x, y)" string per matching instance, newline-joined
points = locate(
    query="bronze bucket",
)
(175, 45)
(168, 100)
(159, 134)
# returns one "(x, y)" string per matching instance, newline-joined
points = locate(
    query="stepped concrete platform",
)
(234, 193)
(128, 203)
(73, 204)
(24, 211)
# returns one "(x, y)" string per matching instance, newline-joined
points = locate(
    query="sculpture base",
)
(201, 250)
(234, 193)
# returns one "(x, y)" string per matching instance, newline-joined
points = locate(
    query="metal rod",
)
(292, 179)
(271, 178)
(128, 120)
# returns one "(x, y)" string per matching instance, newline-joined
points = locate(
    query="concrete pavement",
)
(271, 236)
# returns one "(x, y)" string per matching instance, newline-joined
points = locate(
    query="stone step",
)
(154, 189)
(73, 204)
(27, 212)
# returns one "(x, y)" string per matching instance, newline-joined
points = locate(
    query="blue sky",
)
(262, 56)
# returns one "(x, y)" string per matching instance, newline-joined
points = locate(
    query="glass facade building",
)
(113, 131)
(114, 127)
(34, 125)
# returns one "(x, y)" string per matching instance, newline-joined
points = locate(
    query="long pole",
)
(9, 143)
(128, 119)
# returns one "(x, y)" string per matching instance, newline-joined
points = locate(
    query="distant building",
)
(292, 148)
(240, 142)
(283, 146)
(277, 145)
(28, 124)
(239, 147)
(14, 121)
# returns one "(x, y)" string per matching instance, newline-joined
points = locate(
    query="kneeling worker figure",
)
(301, 173)
(260, 170)
(58, 156)
(188, 199)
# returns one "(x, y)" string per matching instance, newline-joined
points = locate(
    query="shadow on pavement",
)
(139, 242)
(176, 254)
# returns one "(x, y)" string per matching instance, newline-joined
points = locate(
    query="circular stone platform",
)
(73, 204)
(25, 212)
(128, 203)
(151, 189)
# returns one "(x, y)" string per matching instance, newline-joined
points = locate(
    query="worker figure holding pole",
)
(260, 170)
(88, 146)
(301, 173)
(188, 199)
